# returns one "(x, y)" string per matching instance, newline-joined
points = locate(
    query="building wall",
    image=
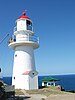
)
(21, 24)
(23, 61)
(33, 82)
(21, 82)
(26, 82)
(48, 83)
(42, 83)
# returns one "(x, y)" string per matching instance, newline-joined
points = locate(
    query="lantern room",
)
(23, 23)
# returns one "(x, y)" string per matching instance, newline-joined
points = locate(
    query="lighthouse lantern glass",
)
(29, 25)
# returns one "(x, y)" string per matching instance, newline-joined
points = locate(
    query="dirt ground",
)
(51, 97)
(61, 97)
(68, 96)
(43, 97)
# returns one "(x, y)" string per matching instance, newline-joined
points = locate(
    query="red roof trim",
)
(24, 17)
(27, 72)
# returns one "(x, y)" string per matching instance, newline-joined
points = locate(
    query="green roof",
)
(47, 79)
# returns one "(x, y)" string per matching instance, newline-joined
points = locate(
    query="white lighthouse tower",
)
(24, 42)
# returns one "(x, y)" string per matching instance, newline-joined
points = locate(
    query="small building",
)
(49, 81)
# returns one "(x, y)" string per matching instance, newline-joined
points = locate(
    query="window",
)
(14, 78)
(0, 69)
(45, 83)
(32, 73)
(49, 84)
(15, 55)
(52, 84)
(29, 25)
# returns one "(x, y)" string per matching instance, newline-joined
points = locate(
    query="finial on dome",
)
(24, 15)
(24, 12)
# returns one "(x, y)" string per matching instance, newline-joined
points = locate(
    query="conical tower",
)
(24, 42)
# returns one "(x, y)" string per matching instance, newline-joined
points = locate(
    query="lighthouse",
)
(24, 42)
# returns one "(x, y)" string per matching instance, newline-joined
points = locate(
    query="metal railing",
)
(27, 38)
(29, 27)
(15, 28)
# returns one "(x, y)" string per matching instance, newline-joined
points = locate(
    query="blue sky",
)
(53, 22)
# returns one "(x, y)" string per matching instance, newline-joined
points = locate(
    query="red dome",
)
(24, 16)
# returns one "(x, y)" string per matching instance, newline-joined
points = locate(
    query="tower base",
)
(25, 82)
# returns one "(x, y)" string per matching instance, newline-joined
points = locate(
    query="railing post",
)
(38, 40)
(28, 37)
(15, 28)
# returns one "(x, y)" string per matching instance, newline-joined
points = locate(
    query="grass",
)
(45, 91)
(19, 92)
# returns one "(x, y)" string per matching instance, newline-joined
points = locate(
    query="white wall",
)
(21, 82)
(23, 61)
(42, 83)
(21, 24)
(33, 82)
(26, 82)
(22, 37)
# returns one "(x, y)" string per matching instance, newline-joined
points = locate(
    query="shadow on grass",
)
(18, 98)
